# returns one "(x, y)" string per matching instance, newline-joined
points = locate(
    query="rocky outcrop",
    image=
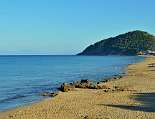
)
(86, 84)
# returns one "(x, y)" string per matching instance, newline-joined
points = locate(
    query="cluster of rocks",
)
(151, 65)
(87, 84)
(47, 94)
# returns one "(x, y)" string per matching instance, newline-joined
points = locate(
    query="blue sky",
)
(68, 26)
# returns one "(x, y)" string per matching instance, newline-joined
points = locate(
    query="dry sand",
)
(137, 101)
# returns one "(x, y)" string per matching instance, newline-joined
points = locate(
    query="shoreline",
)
(47, 94)
(80, 104)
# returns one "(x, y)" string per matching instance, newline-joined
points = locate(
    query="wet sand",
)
(135, 101)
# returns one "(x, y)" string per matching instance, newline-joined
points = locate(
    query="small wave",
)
(12, 98)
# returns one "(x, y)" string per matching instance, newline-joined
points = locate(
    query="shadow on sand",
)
(147, 101)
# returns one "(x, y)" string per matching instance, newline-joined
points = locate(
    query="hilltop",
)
(131, 43)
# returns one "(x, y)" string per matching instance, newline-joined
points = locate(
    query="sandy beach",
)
(135, 101)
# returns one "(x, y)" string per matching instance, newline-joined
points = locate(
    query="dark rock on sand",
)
(119, 88)
(151, 65)
(67, 87)
(50, 94)
(118, 77)
(86, 84)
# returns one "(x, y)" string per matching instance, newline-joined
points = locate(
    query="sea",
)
(24, 77)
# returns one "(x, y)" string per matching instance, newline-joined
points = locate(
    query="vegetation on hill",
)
(131, 43)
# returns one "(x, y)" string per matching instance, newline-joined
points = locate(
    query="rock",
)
(101, 87)
(119, 88)
(45, 94)
(79, 84)
(118, 77)
(105, 80)
(91, 86)
(86, 84)
(105, 90)
(86, 117)
(85, 81)
(67, 87)
(151, 65)
(54, 94)
(50, 94)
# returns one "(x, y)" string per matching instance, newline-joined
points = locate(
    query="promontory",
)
(131, 43)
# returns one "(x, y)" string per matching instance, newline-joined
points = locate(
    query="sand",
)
(136, 101)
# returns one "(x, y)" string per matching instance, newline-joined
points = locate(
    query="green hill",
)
(131, 43)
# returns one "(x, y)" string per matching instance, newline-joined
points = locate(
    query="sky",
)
(64, 27)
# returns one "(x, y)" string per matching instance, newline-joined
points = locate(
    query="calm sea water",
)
(23, 78)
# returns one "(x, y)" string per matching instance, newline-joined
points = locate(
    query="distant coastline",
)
(127, 44)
